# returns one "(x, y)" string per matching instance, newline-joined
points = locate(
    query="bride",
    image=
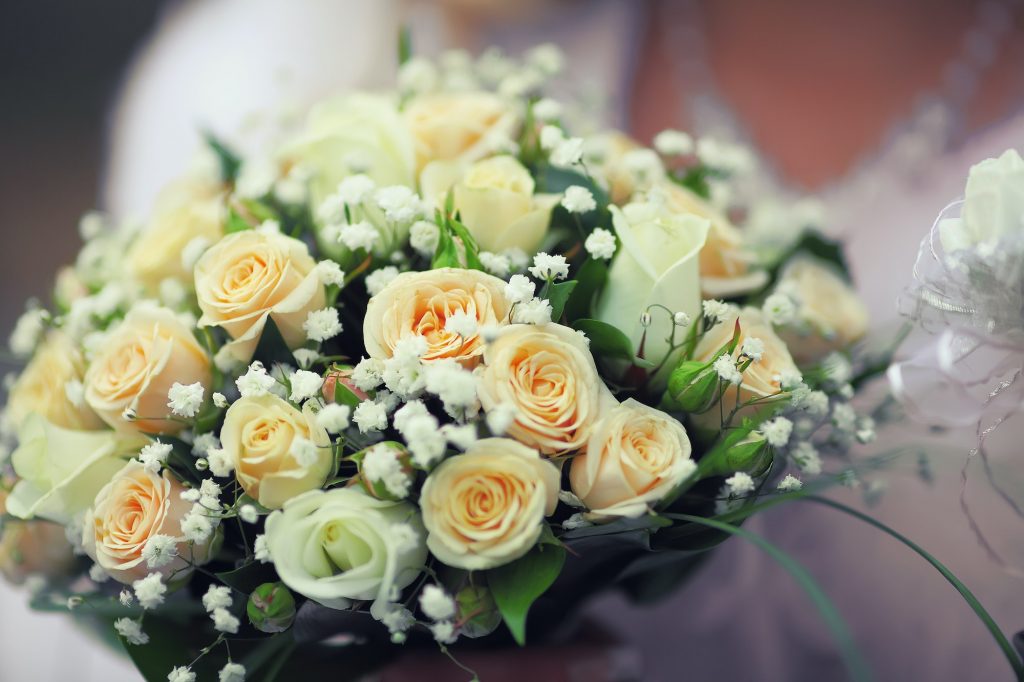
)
(877, 108)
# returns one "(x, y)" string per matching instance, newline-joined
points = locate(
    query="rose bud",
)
(339, 388)
(477, 613)
(692, 387)
(271, 608)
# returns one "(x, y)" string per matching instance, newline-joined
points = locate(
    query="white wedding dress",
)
(742, 617)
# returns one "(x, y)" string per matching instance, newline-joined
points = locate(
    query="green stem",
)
(855, 664)
(972, 601)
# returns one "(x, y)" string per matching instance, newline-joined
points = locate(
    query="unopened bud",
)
(476, 612)
(692, 387)
(271, 608)
(645, 319)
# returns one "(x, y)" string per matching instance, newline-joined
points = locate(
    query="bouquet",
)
(428, 370)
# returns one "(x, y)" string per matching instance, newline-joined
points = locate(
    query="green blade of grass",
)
(972, 601)
(856, 666)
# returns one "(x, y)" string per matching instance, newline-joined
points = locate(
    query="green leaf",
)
(236, 223)
(551, 180)
(472, 250)
(856, 666)
(590, 279)
(181, 461)
(229, 161)
(972, 601)
(609, 341)
(517, 585)
(404, 44)
(248, 577)
(558, 296)
(273, 349)
(446, 255)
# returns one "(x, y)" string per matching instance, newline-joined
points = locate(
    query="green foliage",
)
(229, 161)
(517, 585)
(248, 577)
(997, 634)
(590, 279)
(856, 666)
(404, 44)
(558, 295)
(236, 223)
(609, 342)
(272, 349)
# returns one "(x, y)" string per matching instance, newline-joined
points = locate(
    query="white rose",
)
(726, 264)
(635, 456)
(831, 313)
(61, 470)
(486, 507)
(340, 545)
(495, 201)
(657, 265)
(993, 204)
(356, 133)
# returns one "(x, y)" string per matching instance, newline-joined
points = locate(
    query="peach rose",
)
(43, 387)
(832, 316)
(547, 375)
(762, 379)
(143, 357)
(134, 507)
(421, 302)
(486, 508)
(727, 266)
(259, 435)
(635, 456)
(250, 276)
(33, 548)
(458, 126)
(185, 210)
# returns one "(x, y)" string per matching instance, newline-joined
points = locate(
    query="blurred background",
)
(101, 102)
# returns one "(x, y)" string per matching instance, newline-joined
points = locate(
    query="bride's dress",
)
(741, 618)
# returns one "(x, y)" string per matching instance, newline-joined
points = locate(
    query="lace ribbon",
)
(970, 371)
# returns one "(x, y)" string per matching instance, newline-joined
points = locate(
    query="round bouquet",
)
(428, 370)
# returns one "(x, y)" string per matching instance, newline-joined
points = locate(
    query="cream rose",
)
(250, 276)
(727, 266)
(761, 379)
(132, 508)
(459, 126)
(140, 361)
(486, 507)
(341, 545)
(356, 133)
(43, 387)
(420, 303)
(832, 316)
(495, 201)
(605, 152)
(61, 470)
(547, 376)
(635, 456)
(993, 204)
(656, 266)
(185, 210)
(258, 435)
